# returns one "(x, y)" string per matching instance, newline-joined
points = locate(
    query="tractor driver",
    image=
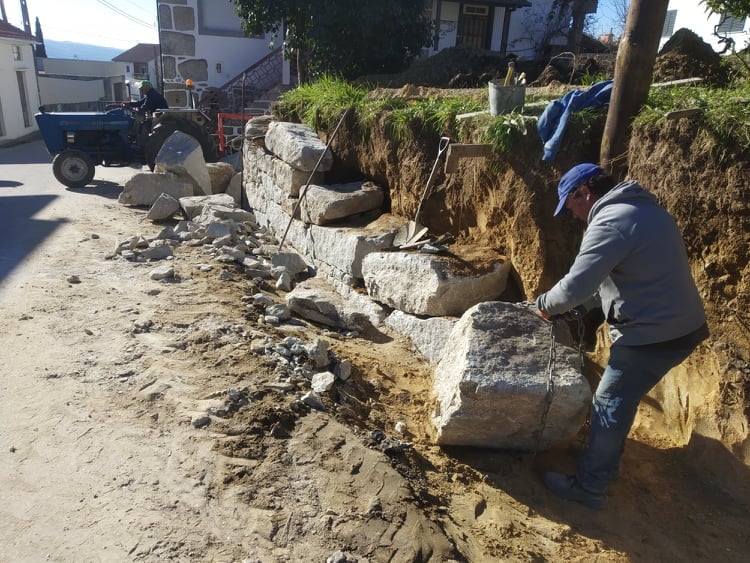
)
(151, 101)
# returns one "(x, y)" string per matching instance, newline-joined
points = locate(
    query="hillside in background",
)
(83, 51)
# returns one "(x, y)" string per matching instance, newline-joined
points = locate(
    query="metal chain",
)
(550, 394)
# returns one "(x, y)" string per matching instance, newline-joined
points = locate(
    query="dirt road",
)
(147, 421)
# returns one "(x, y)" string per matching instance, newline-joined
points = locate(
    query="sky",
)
(109, 23)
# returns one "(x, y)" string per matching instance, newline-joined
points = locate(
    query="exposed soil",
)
(149, 423)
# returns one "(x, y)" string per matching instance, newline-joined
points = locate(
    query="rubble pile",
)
(338, 267)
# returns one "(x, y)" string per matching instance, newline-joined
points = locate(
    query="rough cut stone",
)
(193, 206)
(325, 204)
(182, 155)
(281, 174)
(145, 188)
(293, 262)
(492, 384)
(337, 251)
(424, 284)
(430, 335)
(220, 174)
(317, 301)
(257, 126)
(298, 145)
(234, 188)
(163, 208)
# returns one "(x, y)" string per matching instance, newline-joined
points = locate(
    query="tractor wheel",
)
(164, 129)
(72, 168)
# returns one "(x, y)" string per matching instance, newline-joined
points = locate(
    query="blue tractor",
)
(81, 140)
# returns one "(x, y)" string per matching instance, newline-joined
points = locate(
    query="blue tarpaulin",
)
(554, 120)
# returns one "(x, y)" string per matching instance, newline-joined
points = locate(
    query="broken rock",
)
(182, 155)
(163, 208)
(298, 145)
(144, 188)
(325, 204)
(423, 284)
(491, 388)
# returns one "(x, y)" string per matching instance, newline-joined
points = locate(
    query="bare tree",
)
(619, 11)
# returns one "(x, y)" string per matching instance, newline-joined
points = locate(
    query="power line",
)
(124, 14)
(138, 7)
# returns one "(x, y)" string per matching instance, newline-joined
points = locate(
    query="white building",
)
(692, 15)
(202, 41)
(19, 94)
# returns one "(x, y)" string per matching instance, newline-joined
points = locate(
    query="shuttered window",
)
(668, 28)
(729, 24)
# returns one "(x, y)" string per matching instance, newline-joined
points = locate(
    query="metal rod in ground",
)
(243, 195)
(314, 170)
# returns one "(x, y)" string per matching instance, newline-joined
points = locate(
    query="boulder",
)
(261, 163)
(430, 335)
(163, 208)
(428, 284)
(325, 204)
(145, 188)
(220, 174)
(182, 155)
(193, 206)
(298, 145)
(491, 386)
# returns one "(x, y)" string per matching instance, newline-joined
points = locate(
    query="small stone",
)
(162, 273)
(323, 381)
(343, 370)
(311, 399)
(201, 421)
(73, 279)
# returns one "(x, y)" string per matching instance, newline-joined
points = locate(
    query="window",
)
(20, 75)
(668, 28)
(472, 10)
(729, 24)
(17, 53)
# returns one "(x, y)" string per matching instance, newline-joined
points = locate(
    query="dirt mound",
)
(686, 55)
(455, 67)
(568, 68)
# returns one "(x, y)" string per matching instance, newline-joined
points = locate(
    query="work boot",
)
(576, 451)
(568, 488)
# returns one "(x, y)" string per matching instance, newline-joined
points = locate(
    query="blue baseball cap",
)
(573, 178)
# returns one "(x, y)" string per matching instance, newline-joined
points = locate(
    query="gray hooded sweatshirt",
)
(633, 262)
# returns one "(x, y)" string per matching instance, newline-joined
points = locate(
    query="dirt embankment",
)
(507, 206)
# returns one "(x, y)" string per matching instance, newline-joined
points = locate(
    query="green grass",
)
(724, 112)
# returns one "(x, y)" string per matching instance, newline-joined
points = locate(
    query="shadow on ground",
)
(668, 505)
(20, 233)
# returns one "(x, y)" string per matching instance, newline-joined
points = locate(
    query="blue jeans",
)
(631, 372)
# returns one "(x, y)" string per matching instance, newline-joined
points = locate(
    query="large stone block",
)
(428, 284)
(325, 204)
(220, 174)
(431, 335)
(317, 301)
(182, 155)
(145, 188)
(491, 386)
(298, 145)
(285, 176)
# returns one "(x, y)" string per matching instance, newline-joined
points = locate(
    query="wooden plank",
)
(680, 82)
(457, 151)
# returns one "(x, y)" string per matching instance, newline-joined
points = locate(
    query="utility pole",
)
(634, 68)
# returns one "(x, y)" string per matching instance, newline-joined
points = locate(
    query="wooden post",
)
(633, 71)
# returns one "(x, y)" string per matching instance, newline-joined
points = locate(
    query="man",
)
(632, 262)
(151, 99)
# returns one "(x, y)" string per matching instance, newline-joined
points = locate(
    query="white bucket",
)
(505, 99)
